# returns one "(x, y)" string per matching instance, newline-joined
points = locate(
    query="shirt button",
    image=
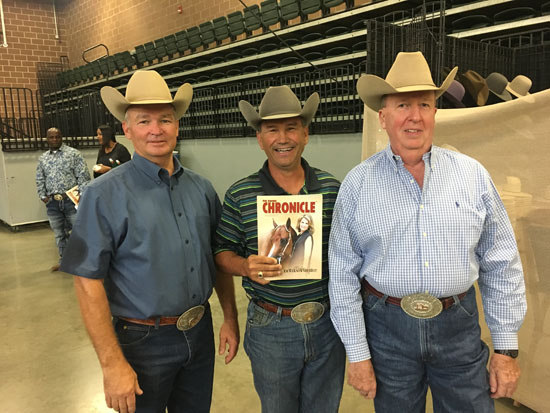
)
(187, 241)
(426, 264)
(412, 180)
(179, 214)
(192, 269)
(425, 235)
(421, 206)
(172, 188)
(194, 296)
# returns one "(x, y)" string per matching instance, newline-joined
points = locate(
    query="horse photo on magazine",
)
(290, 229)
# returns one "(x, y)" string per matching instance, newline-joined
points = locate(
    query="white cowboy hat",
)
(519, 86)
(409, 73)
(279, 102)
(146, 87)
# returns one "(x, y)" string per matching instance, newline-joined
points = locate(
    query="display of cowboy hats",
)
(279, 102)
(454, 94)
(497, 82)
(409, 73)
(146, 87)
(519, 86)
(476, 86)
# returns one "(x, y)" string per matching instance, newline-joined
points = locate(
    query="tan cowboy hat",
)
(476, 86)
(279, 102)
(519, 86)
(409, 73)
(146, 87)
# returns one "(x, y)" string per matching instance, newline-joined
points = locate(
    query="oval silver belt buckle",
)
(306, 313)
(190, 318)
(421, 305)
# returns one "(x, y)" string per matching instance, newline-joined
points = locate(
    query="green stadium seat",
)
(160, 49)
(207, 33)
(194, 37)
(328, 4)
(182, 42)
(221, 29)
(140, 55)
(235, 23)
(308, 7)
(290, 9)
(170, 43)
(269, 13)
(252, 18)
(70, 77)
(96, 69)
(150, 52)
(107, 66)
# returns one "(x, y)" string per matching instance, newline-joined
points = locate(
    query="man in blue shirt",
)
(60, 169)
(141, 252)
(415, 226)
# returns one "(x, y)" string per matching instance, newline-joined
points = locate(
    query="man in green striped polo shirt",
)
(298, 363)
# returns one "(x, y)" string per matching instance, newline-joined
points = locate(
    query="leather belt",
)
(162, 321)
(184, 322)
(303, 313)
(446, 301)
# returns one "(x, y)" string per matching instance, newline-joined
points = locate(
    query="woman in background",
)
(111, 153)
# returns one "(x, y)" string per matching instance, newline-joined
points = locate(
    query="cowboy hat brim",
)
(371, 88)
(117, 104)
(255, 120)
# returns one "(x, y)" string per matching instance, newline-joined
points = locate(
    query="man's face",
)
(409, 120)
(283, 141)
(53, 136)
(153, 129)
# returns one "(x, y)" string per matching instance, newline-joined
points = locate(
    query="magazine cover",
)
(74, 195)
(290, 229)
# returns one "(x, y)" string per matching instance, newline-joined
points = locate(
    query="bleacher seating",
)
(214, 55)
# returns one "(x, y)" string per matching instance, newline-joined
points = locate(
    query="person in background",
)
(111, 154)
(59, 169)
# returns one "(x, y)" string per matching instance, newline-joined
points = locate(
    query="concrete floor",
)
(47, 363)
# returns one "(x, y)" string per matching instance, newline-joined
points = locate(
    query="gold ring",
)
(260, 274)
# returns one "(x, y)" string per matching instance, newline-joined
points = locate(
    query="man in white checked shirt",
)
(414, 227)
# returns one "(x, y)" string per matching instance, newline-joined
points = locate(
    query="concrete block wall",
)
(123, 24)
(30, 35)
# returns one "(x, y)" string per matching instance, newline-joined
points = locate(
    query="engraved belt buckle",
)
(306, 313)
(58, 197)
(421, 305)
(190, 318)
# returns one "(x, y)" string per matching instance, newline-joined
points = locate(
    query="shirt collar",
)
(153, 171)
(271, 187)
(60, 149)
(428, 158)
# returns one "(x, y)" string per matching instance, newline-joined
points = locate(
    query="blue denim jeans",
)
(62, 215)
(175, 368)
(296, 367)
(445, 353)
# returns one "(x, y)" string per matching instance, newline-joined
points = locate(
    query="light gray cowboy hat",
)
(146, 87)
(497, 83)
(519, 86)
(279, 102)
(409, 73)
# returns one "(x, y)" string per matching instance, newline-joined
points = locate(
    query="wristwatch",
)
(509, 353)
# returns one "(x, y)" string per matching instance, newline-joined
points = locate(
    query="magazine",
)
(290, 229)
(74, 195)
